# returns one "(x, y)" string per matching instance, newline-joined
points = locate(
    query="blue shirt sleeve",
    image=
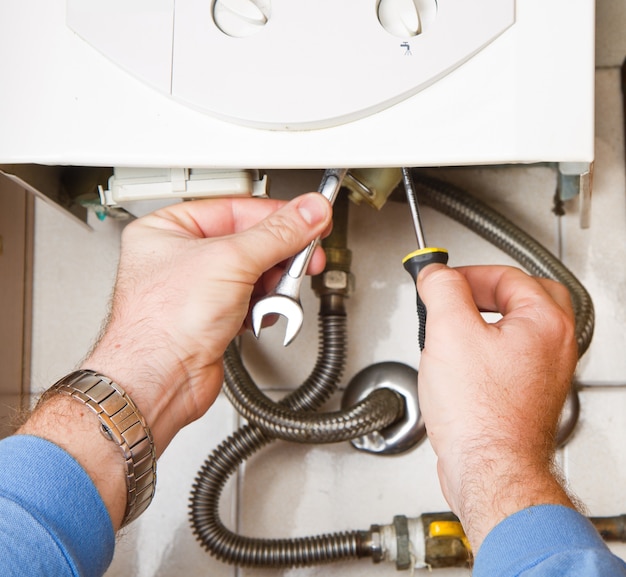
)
(52, 519)
(546, 541)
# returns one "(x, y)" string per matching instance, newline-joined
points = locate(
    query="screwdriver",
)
(415, 261)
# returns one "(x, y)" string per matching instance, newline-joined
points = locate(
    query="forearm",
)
(151, 375)
(76, 429)
(96, 420)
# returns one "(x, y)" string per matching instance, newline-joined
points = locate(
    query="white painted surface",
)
(525, 97)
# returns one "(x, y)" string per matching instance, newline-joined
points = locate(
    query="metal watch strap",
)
(122, 423)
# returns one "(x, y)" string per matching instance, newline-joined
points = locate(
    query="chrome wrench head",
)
(282, 305)
(285, 299)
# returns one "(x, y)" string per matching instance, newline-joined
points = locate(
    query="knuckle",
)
(281, 230)
(561, 329)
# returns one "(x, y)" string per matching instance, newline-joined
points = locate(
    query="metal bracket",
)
(576, 179)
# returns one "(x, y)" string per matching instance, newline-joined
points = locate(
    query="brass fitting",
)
(372, 185)
(433, 540)
(336, 279)
(445, 541)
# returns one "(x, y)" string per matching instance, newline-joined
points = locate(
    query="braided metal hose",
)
(378, 410)
(224, 461)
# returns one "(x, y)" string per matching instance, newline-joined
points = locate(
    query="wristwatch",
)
(122, 423)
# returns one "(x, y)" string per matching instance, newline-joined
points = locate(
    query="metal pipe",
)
(611, 528)
(244, 551)
(213, 535)
(378, 410)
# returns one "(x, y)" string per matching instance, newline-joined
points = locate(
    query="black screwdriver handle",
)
(414, 263)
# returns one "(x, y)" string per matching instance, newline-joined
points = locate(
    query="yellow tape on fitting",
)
(449, 529)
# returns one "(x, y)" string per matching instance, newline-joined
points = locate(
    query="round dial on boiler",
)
(241, 18)
(406, 18)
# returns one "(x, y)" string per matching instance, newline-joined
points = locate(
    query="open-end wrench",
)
(284, 300)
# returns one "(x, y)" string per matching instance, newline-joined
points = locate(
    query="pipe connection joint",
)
(336, 282)
(408, 431)
(334, 279)
(433, 540)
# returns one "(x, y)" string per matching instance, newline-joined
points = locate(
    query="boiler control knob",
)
(241, 18)
(406, 18)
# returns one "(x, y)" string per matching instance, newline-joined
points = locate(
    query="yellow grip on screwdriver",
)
(414, 262)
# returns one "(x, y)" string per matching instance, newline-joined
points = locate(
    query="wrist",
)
(171, 384)
(119, 422)
(151, 376)
(76, 429)
(486, 489)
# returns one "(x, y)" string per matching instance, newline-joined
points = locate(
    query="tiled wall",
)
(16, 237)
(289, 490)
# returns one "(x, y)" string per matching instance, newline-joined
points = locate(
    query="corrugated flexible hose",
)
(224, 461)
(269, 421)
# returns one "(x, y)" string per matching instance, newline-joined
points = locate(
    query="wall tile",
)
(610, 37)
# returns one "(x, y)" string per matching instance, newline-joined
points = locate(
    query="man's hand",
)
(491, 394)
(185, 281)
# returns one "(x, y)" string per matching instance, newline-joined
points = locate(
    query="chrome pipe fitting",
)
(402, 435)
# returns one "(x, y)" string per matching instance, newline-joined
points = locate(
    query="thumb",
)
(448, 299)
(286, 231)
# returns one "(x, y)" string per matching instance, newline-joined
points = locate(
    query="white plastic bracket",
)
(141, 190)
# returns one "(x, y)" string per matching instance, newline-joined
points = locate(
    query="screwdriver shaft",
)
(415, 261)
(415, 214)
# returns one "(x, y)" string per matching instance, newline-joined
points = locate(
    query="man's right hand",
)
(491, 394)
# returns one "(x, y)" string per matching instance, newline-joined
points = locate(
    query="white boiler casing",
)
(322, 83)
